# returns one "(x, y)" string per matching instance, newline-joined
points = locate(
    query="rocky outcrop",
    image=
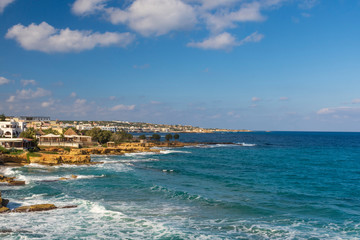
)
(3, 204)
(11, 181)
(57, 159)
(13, 160)
(35, 208)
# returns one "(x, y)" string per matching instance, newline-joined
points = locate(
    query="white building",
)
(11, 129)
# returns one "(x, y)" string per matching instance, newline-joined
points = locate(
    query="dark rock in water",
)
(4, 202)
(35, 208)
(6, 231)
(16, 183)
(70, 206)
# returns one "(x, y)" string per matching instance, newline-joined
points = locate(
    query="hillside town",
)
(74, 133)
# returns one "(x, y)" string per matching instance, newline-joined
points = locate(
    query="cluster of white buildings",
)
(11, 128)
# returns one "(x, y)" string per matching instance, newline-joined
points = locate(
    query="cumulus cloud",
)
(340, 111)
(47, 103)
(159, 17)
(4, 81)
(4, 4)
(220, 20)
(225, 41)
(122, 107)
(26, 94)
(85, 7)
(11, 99)
(46, 38)
(154, 17)
(28, 82)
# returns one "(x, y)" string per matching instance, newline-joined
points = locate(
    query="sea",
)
(264, 185)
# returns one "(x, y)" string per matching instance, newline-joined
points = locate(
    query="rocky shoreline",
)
(53, 156)
(57, 156)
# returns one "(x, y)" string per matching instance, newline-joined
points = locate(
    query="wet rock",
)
(4, 202)
(4, 209)
(35, 208)
(70, 206)
(16, 183)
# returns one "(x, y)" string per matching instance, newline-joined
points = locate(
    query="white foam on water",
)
(90, 220)
(128, 220)
(173, 151)
(139, 154)
(247, 144)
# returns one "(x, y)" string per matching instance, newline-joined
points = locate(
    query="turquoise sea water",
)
(279, 185)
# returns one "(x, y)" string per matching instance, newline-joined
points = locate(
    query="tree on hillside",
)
(29, 133)
(2, 117)
(176, 136)
(50, 130)
(155, 137)
(142, 137)
(101, 136)
(168, 137)
(121, 136)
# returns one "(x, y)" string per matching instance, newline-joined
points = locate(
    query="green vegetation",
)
(50, 131)
(2, 117)
(176, 136)
(168, 137)
(99, 135)
(4, 150)
(31, 154)
(142, 137)
(121, 136)
(29, 133)
(16, 152)
(156, 137)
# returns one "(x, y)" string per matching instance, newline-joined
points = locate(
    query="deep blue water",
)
(278, 185)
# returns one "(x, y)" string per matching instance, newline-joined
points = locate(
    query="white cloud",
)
(122, 107)
(225, 41)
(28, 82)
(4, 4)
(73, 94)
(79, 102)
(26, 94)
(84, 7)
(283, 98)
(308, 4)
(47, 103)
(356, 101)
(11, 99)
(339, 111)
(46, 38)
(4, 81)
(255, 99)
(154, 17)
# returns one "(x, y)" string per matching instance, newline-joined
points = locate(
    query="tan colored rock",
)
(16, 183)
(4, 209)
(35, 208)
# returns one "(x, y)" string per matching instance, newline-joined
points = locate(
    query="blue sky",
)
(240, 64)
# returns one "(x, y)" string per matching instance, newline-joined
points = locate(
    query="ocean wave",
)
(36, 178)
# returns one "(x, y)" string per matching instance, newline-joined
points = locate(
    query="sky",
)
(290, 65)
